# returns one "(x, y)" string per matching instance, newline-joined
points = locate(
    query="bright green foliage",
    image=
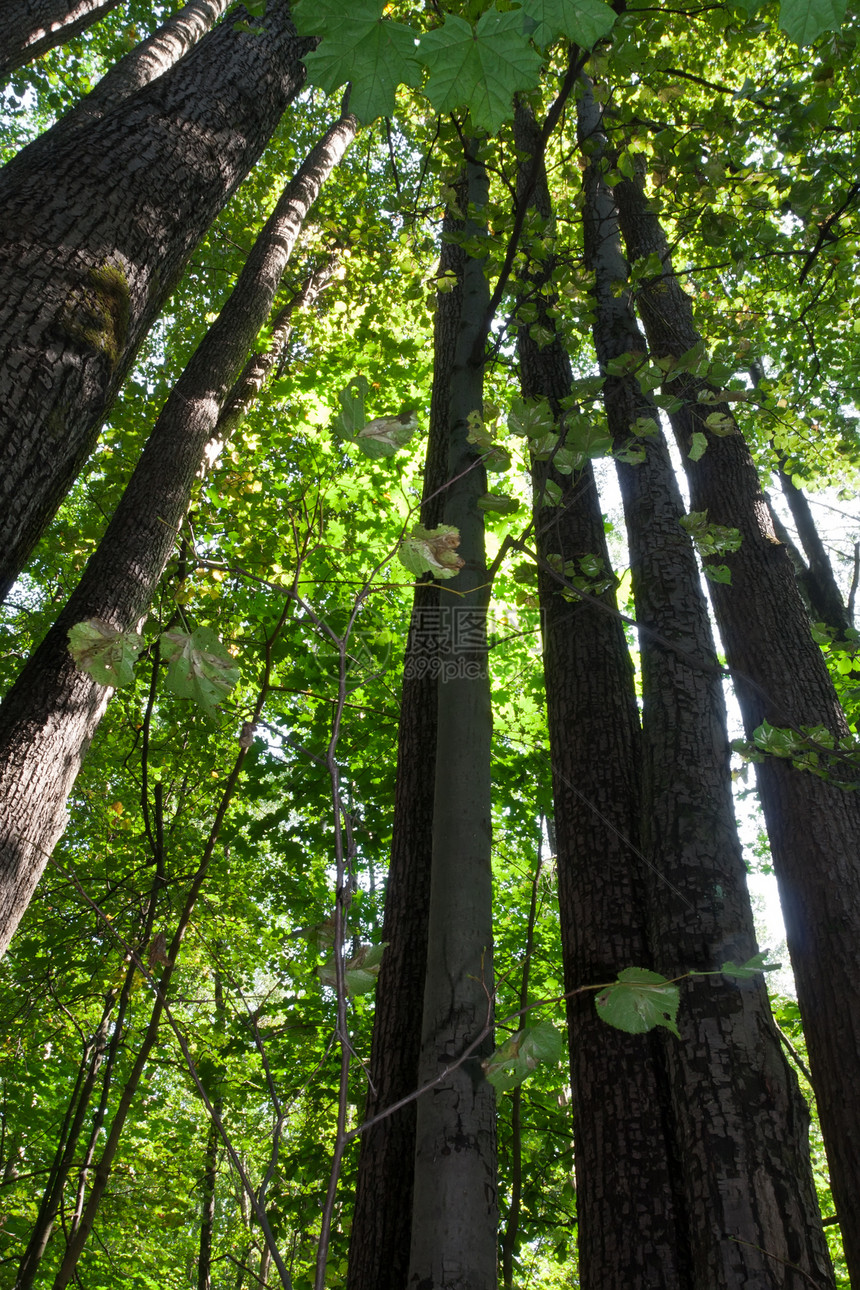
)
(638, 1001)
(107, 655)
(373, 54)
(530, 417)
(200, 668)
(516, 1059)
(483, 67)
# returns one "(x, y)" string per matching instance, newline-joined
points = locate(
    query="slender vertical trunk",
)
(97, 227)
(78, 1108)
(780, 676)
(821, 586)
(627, 1223)
(742, 1124)
(382, 1220)
(210, 1173)
(51, 713)
(454, 1207)
(32, 27)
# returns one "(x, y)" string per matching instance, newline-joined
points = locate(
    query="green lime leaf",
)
(698, 444)
(803, 21)
(638, 1001)
(351, 418)
(432, 551)
(752, 967)
(386, 435)
(531, 417)
(360, 46)
(200, 668)
(359, 972)
(107, 656)
(515, 1059)
(501, 505)
(582, 21)
(482, 66)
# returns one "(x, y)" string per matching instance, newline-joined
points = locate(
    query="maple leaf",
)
(482, 66)
(582, 21)
(362, 47)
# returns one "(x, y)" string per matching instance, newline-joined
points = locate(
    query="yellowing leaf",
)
(432, 551)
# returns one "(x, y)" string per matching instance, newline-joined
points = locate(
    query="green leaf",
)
(496, 502)
(351, 418)
(515, 1059)
(531, 417)
(718, 573)
(698, 445)
(638, 1001)
(582, 21)
(747, 971)
(384, 436)
(432, 551)
(803, 21)
(200, 668)
(360, 46)
(481, 67)
(106, 655)
(550, 493)
(359, 972)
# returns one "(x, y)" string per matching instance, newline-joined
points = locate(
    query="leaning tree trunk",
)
(454, 1208)
(627, 1219)
(50, 715)
(780, 677)
(32, 27)
(381, 1230)
(96, 231)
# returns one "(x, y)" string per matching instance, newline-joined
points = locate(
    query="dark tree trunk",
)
(32, 27)
(454, 1209)
(821, 587)
(628, 1230)
(210, 1171)
(382, 1220)
(97, 227)
(49, 716)
(813, 826)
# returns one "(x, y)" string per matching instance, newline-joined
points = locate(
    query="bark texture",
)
(381, 1230)
(454, 1201)
(32, 27)
(96, 229)
(49, 716)
(780, 676)
(628, 1228)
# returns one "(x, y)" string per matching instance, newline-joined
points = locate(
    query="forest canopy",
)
(428, 471)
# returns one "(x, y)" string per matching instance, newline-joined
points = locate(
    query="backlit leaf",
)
(106, 655)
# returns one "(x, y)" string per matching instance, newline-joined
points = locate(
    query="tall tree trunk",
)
(454, 1209)
(813, 825)
(381, 1230)
(50, 715)
(32, 27)
(626, 1208)
(96, 231)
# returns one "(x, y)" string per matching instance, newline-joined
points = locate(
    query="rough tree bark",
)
(96, 231)
(381, 1230)
(628, 1228)
(780, 676)
(454, 1210)
(49, 716)
(32, 27)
